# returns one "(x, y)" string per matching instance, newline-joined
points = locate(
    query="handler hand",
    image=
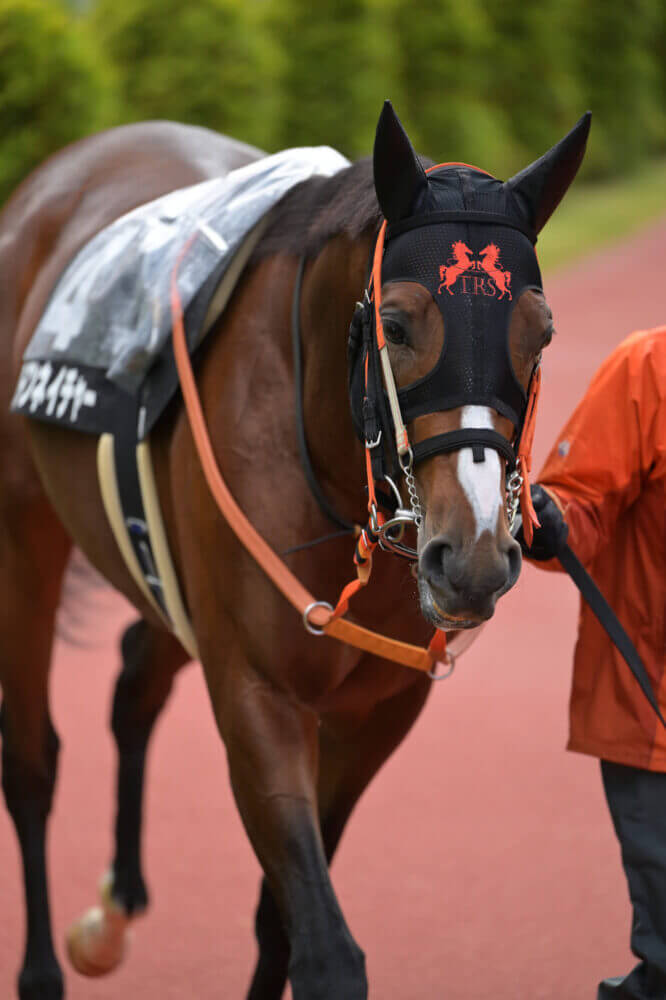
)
(552, 535)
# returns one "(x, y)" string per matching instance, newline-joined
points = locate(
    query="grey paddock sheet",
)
(108, 320)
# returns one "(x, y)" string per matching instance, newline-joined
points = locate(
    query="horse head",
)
(463, 363)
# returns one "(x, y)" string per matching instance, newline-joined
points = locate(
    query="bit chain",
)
(514, 486)
(410, 481)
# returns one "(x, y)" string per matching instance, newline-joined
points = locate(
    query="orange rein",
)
(317, 615)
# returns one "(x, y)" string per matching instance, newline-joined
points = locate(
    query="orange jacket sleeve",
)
(606, 449)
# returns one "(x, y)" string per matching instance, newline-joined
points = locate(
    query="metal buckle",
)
(392, 531)
(450, 662)
(375, 442)
(391, 534)
(396, 491)
(313, 629)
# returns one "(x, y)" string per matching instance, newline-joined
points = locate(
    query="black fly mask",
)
(467, 238)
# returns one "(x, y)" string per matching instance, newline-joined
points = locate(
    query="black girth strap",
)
(125, 440)
(609, 622)
(470, 437)
(306, 461)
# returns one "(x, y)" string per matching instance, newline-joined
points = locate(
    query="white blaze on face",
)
(481, 481)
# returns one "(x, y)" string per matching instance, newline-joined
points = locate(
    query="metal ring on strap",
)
(314, 629)
(391, 533)
(450, 662)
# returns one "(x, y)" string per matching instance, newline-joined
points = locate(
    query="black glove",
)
(553, 533)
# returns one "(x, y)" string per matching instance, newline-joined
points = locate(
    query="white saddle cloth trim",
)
(178, 619)
(167, 573)
(108, 485)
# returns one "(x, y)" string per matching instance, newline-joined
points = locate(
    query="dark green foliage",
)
(444, 67)
(528, 74)
(480, 81)
(616, 58)
(330, 76)
(659, 47)
(205, 62)
(53, 87)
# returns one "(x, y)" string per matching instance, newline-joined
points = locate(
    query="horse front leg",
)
(272, 748)
(96, 943)
(352, 749)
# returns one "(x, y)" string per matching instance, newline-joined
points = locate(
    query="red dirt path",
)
(481, 862)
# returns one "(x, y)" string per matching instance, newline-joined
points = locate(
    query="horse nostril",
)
(436, 559)
(515, 557)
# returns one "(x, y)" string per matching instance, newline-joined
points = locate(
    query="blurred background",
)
(479, 81)
(482, 849)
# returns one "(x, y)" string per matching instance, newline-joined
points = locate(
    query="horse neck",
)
(332, 285)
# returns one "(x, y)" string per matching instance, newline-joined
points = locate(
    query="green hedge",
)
(205, 62)
(618, 60)
(480, 81)
(54, 87)
(528, 75)
(330, 73)
(442, 67)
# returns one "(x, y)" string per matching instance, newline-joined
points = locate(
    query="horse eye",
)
(393, 331)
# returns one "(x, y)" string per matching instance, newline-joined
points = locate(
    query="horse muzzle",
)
(459, 585)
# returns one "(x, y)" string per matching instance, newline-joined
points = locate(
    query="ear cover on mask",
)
(400, 180)
(538, 189)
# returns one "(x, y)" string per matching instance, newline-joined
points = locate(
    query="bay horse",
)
(306, 722)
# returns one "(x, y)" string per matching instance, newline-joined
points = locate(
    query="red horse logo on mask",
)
(489, 262)
(462, 261)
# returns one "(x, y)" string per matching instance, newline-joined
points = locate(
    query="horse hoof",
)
(95, 946)
(98, 941)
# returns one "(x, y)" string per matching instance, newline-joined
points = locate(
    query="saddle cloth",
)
(105, 334)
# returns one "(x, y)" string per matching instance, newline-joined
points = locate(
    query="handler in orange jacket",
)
(605, 484)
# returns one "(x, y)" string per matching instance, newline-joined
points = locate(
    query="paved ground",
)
(480, 864)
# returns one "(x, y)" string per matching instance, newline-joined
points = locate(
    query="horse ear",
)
(540, 187)
(399, 176)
